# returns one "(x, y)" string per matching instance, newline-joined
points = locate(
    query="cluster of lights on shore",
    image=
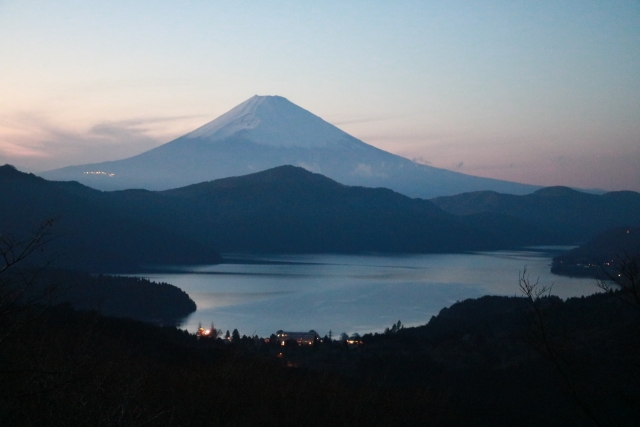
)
(202, 332)
(302, 338)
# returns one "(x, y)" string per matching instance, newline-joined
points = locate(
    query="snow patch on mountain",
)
(275, 121)
(239, 118)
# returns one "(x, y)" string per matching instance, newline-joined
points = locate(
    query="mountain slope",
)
(268, 131)
(282, 210)
(571, 216)
(289, 209)
(89, 233)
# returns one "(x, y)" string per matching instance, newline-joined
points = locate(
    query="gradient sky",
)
(544, 92)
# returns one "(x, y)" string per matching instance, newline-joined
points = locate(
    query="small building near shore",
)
(302, 338)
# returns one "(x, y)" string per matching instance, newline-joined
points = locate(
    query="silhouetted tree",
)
(273, 340)
(625, 278)
(542, 339)
(394, 328)
(19, 303)
(290, 343)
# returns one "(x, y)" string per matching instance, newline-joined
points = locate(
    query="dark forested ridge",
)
(290, 210)
(479, 362)
(509, 360)
(286, 209)
(25, 281)
(86, 370)
(88, 233)
(131, 297)
(600, 256)
(568, 216)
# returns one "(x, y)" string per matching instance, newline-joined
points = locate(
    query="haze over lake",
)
(353, 293)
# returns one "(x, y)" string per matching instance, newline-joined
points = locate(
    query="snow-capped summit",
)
(276, 122)
(268, 131)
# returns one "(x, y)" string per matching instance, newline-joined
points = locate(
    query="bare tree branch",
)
(535, 294)
(624, 278)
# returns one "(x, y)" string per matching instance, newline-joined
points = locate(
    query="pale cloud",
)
(404, 143)
(33, 142)
(315, 168)
(363, 170)
(14, 150)
(421, 160)
(124, 129)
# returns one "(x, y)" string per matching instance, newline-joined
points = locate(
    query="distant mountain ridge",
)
(283, 210)
(89, 234)
(291, 210)
(269, 131)
(573, 217)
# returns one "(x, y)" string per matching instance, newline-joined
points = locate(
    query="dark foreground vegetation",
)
(526, 361)
(508, 361)
(67, 368)
(26, 281)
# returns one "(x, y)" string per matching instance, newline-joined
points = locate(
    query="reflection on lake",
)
(353, 293)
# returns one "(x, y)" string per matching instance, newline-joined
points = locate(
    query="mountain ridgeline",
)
(287, 210)
(269, 131)
(564, 215)
(116, 296)
(88, 233)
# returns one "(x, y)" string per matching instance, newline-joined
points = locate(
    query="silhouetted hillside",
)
(285, 209)
(63, 368)
(509, 360)
(131, 297)
(88, 233)
(601, 255)
(569, 216)
(479, 362)
(289, 209)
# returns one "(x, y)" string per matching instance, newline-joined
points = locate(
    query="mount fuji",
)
(268, 131)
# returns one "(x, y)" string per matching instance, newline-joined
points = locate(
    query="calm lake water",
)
(353, 293)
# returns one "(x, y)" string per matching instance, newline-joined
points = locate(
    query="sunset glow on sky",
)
(545, 93)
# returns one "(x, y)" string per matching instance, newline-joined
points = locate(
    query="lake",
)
(353, 293)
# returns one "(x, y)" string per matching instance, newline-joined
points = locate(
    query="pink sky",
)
(545, 93)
